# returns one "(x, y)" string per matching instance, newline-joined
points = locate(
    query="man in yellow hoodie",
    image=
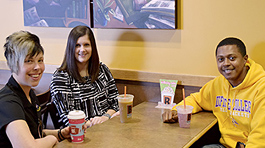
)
(236, 97)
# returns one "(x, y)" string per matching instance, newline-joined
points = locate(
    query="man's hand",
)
(170, 116)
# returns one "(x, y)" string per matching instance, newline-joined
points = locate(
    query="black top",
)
(15, 106)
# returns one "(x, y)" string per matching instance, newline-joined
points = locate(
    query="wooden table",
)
(146, 130)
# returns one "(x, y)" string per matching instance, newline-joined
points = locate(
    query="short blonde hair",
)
(18, 46)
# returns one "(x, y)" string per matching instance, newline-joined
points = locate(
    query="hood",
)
(255, 73)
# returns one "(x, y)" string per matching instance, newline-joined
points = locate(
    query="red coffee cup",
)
(76, 123)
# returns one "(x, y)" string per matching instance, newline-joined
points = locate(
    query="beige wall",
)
(187, 50)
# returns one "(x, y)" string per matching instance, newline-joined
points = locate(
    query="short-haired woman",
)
(20, 124)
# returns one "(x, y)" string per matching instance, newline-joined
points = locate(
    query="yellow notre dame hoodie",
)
(240, 111)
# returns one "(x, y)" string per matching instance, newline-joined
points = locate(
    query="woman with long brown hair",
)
(83, 82)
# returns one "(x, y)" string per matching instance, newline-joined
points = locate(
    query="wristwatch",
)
(107, 115)
(240, 144)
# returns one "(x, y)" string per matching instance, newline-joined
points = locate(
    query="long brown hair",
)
(69, 61)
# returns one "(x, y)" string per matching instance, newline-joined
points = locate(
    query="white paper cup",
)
(76, 123)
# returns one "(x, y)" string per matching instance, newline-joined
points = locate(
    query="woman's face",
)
(31, 71)
(83, 50)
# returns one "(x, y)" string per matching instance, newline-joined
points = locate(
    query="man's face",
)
(231, 64)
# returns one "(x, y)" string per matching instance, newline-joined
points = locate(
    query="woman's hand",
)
(116, 114)
(87, 125)
(66, 132)
(98, 120)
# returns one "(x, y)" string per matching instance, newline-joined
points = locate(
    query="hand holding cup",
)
(170, 116)
(66, 132)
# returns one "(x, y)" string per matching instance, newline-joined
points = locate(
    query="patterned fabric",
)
(94, 99)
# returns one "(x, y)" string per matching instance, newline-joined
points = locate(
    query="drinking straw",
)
(124, 91)
(183, 92)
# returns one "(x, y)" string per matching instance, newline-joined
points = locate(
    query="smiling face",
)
(83, 50)
(231, 64)
(30, 72)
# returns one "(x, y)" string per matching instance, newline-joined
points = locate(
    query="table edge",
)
(194, 139)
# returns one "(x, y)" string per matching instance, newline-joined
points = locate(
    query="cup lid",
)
(181, 108)
(128, 98)
(76, 114)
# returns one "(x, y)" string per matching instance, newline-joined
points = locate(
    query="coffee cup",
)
(77, 125)
(125, 105)
(184, 115)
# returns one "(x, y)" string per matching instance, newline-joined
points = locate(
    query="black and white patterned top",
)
(94, 99)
